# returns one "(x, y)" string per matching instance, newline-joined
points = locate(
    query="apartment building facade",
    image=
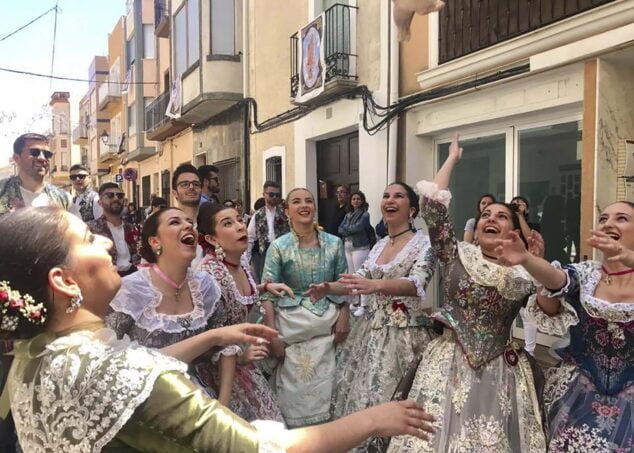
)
(540, 97)
(60, 138)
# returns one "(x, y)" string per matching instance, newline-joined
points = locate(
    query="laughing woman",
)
(225, 238)
(480, 388)
(589, 397)
(303, 377)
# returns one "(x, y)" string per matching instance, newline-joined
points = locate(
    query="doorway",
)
(337, 164)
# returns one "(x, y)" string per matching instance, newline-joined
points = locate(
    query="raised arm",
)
(444, 174)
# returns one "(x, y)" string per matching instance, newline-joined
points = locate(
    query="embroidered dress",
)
(304, 379)
(86, 391)
(134, 314)
(393, 333)
(481, 393)
(589, 398)
(251, 395)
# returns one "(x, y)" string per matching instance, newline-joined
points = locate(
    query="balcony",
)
(80, 135)
(465, 27)
(158, 125)
(161, 19)
(339, 42)
(109, 96)
(60, 176)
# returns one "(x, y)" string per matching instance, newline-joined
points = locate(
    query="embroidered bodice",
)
(480, 299)
(414, 262)
(76, 392)
(299, 267)
(602, 341)
(235, 306)
(135, 310)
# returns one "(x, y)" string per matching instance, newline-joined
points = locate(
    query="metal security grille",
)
(274, 170)
(146, 189)
(229, 174)
(165, 184)
(466, 26)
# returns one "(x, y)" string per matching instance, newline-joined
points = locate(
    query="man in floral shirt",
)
(266, 225)
(124, 236)
(32, 157)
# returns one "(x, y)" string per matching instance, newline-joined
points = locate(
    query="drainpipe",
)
(246, 112)
(392, 96)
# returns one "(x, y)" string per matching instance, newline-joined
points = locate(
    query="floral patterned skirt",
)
(492, 409)
(371, 362)
(583, 419)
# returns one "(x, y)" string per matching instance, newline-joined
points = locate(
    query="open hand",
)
(511, 250)
(318, 291)
(357, 284)
(455, 151)
(401, 417)
(536, 244)
(612, 249)
(255, 334)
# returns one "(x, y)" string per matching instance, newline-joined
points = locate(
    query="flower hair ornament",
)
(14, 305)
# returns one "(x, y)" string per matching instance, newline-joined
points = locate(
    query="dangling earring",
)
(75, 302)
(411, 222)
(220, 253)
(158, 251)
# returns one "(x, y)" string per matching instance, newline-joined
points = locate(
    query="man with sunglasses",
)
(32, 156)
(267, 224)
(122, 234)
(86, 201)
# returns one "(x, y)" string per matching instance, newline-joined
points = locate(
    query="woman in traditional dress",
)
(589, 397)
(479, 387)
(303, 374)
(383, 344)
(74, 387)
(225, 241)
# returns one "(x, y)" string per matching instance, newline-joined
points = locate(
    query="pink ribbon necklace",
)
(171, 283)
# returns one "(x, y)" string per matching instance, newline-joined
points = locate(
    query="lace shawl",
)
(139, 299)
(81, 389)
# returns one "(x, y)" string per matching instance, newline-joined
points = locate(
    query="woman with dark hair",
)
(74, 387)
(589, 397)
(310, 325)
(355, 231)
(224, 238)
(479, 386)
(469, 228)
(384, 343)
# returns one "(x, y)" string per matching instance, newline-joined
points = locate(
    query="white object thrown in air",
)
(404, 11)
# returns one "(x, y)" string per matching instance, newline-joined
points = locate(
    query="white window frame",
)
(275, 151)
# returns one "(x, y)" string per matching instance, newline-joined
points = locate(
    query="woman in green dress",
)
(304, 367)
(73, 386)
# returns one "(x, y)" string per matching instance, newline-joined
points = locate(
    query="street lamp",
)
(105, 138)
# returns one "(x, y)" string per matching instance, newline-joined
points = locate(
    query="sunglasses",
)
(111, 195)
(76, 177)
(35, 152)
(188, 184)
(274, 194)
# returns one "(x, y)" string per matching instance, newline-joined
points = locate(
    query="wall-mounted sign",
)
(118, 178)
(130, 174)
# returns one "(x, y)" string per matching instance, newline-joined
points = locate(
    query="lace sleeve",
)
(423, 270)
(434, 204)
(570, 288)
(553, 325)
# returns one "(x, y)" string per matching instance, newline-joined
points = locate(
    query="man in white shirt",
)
(32, 157)
(122, 234)
(267, 224)
(86, 201)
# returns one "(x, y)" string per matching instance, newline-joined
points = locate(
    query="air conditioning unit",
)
(625, 170)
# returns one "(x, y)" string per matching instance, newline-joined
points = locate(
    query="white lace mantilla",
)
(513, 283)
(81, 390)
(139, 299)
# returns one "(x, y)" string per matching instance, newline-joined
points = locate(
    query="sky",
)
(82, 33)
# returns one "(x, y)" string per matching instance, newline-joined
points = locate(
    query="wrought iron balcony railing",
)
(339, 41)
(155, 112)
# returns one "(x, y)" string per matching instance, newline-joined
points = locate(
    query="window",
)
(148, 41)
(145, 187)
(223, 27)
(129, 48)
(274, 169)
(146, 103)
(155, 183)
(165, 184)
(186, 39)
(131, 120)
(63, 143)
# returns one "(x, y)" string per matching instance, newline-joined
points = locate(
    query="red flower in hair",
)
(4, 295)
(16, 303)
(37, 314)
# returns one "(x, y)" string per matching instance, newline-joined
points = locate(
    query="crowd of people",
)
(200, 327)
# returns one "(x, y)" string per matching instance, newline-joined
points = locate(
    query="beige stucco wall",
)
(269, 79)
(414, 55)
(369, 42)
(163, 62)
